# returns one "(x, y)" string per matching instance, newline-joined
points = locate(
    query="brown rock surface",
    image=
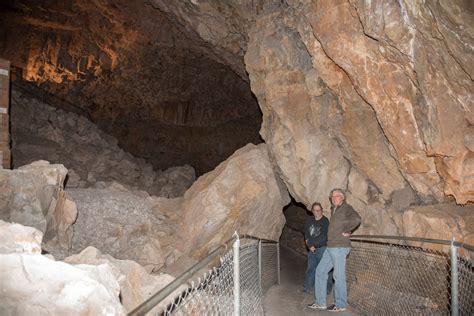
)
(407, 68)
(373, 97)
(315, 137)
(342, 89)
(242, 194)
(439, 221)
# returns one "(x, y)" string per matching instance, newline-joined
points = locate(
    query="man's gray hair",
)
(341, 191)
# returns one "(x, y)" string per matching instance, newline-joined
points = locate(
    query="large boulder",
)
(33, 284)
(27, 192)
(376, 106)
(33, 195)
(136, 285)
(316, 137)
(242, 194)
(16, 238)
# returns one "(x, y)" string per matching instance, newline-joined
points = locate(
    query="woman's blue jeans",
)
(332, 258)
(309, 278)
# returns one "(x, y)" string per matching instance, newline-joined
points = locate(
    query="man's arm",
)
(353, 220)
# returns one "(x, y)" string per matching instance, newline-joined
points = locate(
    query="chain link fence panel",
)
(213, 293)
(393, 279)
(269, 267)
(466, 285)
(251, 293)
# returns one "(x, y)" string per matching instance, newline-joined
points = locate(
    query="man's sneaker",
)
(334, 308)
(316, 307)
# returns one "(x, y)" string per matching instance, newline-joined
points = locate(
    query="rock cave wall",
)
(162, 93)
(372, 97)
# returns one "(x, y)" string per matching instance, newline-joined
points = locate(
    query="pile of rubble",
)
(40, 131)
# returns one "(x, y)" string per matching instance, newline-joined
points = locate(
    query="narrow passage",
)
(286, 299)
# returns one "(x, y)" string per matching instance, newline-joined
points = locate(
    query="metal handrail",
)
(152, 301)
(256, 238)
(418, 239)
(454, 245)
(156, 298)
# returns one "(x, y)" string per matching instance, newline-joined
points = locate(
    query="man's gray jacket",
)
(344, 219)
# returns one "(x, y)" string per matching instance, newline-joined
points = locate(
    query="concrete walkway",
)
(287, 298)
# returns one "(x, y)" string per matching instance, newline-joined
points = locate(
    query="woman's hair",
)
(316, 204)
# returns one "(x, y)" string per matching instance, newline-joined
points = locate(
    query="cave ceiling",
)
(142, 71)
(373, 97)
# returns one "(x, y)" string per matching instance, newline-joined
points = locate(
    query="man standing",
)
(315, 237)
(344, 220)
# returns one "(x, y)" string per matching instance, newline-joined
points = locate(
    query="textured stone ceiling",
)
(143, 78)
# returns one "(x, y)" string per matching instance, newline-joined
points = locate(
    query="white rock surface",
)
(16, 238)
(33, 195)
(31, 284)
(27, 193)
(120, 223)
(136, 285)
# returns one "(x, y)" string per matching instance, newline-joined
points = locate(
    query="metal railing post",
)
(278, 262)
(454, 280)
(260, 263)
(236, 249)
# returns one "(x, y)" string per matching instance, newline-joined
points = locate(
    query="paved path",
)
(285, 299)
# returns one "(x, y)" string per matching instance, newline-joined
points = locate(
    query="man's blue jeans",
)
(332, 258)
(313, 260)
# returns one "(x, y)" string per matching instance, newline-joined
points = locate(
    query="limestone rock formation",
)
(348, 95)
(440, 221)
(388, 84)
(373, 97)
(32, 284)
(392, 66)
(136, 285)
(130, 224)
(16, 238)
(367, 86)
(304, 122)
(33, 195)
(242, 194)
(121, 223)
(89, 154)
